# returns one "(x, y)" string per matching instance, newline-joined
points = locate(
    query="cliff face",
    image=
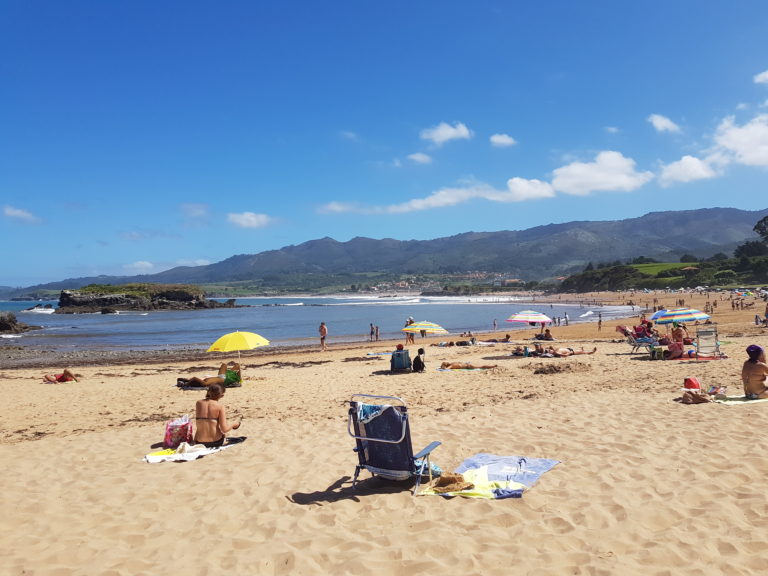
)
(72, 302)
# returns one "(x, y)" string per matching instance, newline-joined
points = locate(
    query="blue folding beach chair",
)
(379, 425)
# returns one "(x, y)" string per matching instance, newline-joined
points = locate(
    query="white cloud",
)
(139, 267)
(687, 169)
(420, 158)
(349, 135)
(440, 199)
(19, 214)
(610, 171)
(611, 129)
(193, 262)
(444, 132)
(747, 144)
(662, 123)
(502, 140)
(518, 189)
(521, 189)
(339, 208)
(249, 220)
(194, 210)
(761, 78)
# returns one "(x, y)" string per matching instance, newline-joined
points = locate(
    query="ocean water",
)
(283, 321)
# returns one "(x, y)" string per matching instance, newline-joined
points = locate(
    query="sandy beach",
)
(646, 485)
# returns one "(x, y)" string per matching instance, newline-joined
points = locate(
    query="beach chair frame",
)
(707, 339)
(383, 443)
(636, 345)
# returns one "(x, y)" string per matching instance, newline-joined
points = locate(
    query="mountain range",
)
(533, 254)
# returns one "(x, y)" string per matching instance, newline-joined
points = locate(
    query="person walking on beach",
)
(373, 331)
(377, 332)
(410, 337)
(599, 321)
(495, 325)
(323, 330)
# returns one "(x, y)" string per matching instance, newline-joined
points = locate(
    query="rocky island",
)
(109, 299)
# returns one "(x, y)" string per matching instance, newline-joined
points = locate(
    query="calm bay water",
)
(283, 321)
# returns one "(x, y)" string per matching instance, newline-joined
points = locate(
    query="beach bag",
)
(177, 431)
(657, 353)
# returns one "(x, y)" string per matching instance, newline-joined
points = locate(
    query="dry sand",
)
(646, 485)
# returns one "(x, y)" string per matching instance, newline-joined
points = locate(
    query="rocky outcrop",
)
(168, 298)
(10, 325)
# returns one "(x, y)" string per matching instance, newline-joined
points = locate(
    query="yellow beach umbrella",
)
(236, 341)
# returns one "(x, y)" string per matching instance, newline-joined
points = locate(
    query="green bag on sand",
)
(232, 379)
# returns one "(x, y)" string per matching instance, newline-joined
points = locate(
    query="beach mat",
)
(738, 401)
(188, 452)
(494, 477)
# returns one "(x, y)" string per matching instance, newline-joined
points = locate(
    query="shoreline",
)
(20, 357)
(13, 355)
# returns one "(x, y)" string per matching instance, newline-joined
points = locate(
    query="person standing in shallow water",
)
(323, 330)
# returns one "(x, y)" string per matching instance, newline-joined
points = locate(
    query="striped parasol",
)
(681, 315)
(529, 316)
(658, 314)
(428, 327)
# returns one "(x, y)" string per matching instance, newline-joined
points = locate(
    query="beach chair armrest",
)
(426, 451)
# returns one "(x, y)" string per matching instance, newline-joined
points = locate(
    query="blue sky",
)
(138, 136)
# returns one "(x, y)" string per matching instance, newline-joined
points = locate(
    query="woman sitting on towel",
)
(754, 374)
(465, 366)
(211, 418)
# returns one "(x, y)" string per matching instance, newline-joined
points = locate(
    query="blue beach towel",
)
(367, 412)
(498, 477)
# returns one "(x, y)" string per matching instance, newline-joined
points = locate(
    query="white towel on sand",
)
(184, 453)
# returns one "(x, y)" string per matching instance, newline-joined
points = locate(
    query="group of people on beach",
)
(212, 424)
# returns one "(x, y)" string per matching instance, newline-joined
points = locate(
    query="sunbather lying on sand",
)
(563, 352)
(465, 366)
(225, 377)
(65, 376)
